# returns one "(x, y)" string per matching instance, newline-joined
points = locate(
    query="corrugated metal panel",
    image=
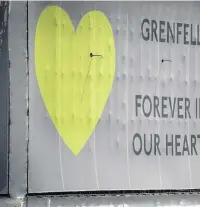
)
(75, 147)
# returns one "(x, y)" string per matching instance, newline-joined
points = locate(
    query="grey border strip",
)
(18, 99)
(5, 93)
(120, 200)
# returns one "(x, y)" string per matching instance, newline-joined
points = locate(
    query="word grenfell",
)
(177, 33)
(162, 107)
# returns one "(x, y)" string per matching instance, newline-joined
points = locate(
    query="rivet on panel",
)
(124, 31)
(46, 117)
(90, 26)
(63, 24)
(62, 74)
(90, 17)
(99, 120)
(109, 116)
(118, 76)
(109, 47)
(56, 118)
(100, 74)
(73, 116)
(131, 61)
(117, 30)
(124, 125)
(124, 104)
(89, 76)
(132, 31)
(132, 77)
(90, 146)
(117, 143)
(124, 75)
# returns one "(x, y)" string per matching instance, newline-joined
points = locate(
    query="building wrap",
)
(99, 103)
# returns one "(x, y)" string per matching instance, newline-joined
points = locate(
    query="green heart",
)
(74, 86)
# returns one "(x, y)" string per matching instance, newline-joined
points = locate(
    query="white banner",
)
(114, 96)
